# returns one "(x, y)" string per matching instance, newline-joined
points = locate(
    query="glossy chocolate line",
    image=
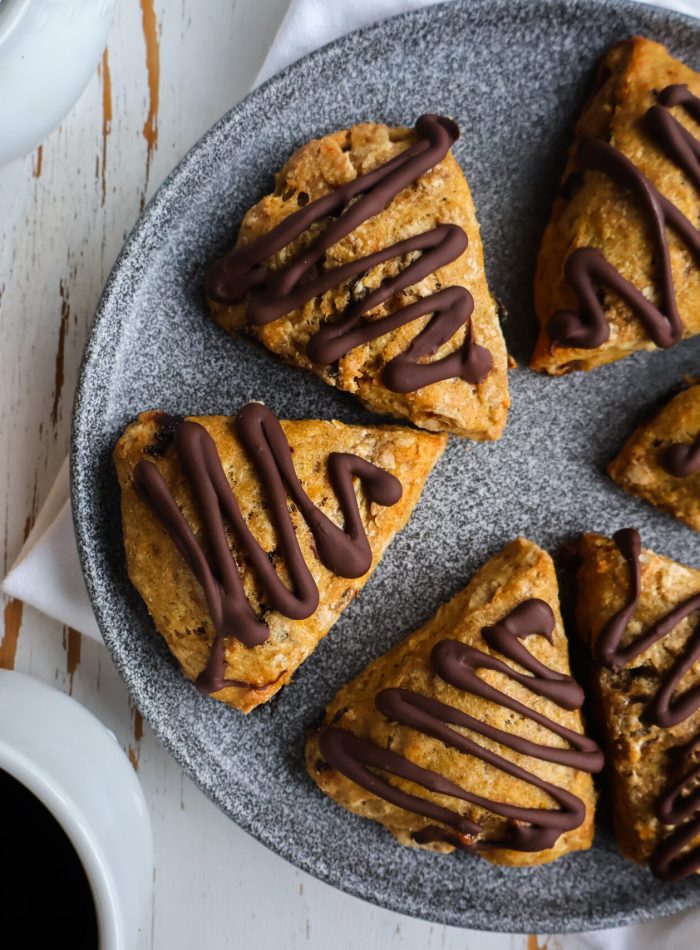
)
(529, 617)
(586, 269)
(533, 829)
(675, 805)
(663, 709)
(345, 551)
(679, 803)
(682, 459)
(680, 146)
(668, 861)
(272, 294)
(607, 648)
(212, 677)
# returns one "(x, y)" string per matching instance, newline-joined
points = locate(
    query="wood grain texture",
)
(171, 68)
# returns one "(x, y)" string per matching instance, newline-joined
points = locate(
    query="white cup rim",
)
(11, 13)
(74, 765)
(45, 788)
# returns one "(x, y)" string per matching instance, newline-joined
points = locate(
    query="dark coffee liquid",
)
(45, 898)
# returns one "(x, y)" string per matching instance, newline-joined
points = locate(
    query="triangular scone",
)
(602, 267)
(438, 198)
(509, 609)
(381, 471)
(661, 460)
(652, 730)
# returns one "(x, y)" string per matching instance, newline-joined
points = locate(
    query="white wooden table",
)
(171, 68)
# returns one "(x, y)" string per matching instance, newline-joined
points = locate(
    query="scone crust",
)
(172, 594)
(604, 215)
(520, 572)
(438, 197)
(640, 754)
(639, 467)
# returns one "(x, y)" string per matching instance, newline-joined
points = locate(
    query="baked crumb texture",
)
(440, 196)
(168, 586)
(647, 761)
(520, 576)
(595, 209)
(645, 466)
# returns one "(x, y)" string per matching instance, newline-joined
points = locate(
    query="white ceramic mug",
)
(75, 767)
(49, 49)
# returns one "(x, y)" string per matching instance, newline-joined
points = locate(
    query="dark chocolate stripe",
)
(664, 710)
(345, 551)
(681, 801)
(532, 829)
(586, 269)
(607, 645)
(680, 146)
(682, 459)
(242, 273)
(675, 805)
(670, 860)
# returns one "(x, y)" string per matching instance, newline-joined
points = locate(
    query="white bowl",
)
(48, 51)
(75, 767)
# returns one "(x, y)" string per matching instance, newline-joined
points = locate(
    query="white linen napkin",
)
(309, 24)
(47, 572)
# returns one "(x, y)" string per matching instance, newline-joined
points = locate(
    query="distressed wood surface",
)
(170, 69)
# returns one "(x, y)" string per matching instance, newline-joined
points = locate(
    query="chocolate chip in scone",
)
(338, 715)
(163, 438)
(571, 185)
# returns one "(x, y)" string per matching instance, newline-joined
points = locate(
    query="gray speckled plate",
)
(514, 74)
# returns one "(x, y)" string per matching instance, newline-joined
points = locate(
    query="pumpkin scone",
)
(661, 460)
(247, 536)
(640, 614)
(619, 264)
(365, 266)
(468, 734)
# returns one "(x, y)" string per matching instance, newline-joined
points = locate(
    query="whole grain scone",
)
(468, 734)
(661, 460)
(610, 279)
(639, 612)
(218, 515)
(412, 253)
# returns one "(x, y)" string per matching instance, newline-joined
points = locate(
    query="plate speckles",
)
(514, 75)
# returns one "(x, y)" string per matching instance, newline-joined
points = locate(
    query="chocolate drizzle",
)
(586, 269)
(243, 276)
(679, 807)
(531, 829)
(607, 645)
(345, 551)
(682, 459)
(664, 710)
(680, 146)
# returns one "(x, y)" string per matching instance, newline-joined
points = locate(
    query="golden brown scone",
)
(439, 196)
(645, 758)
(644, 468)
(168, 586)
(594, 211)
(520, 574)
